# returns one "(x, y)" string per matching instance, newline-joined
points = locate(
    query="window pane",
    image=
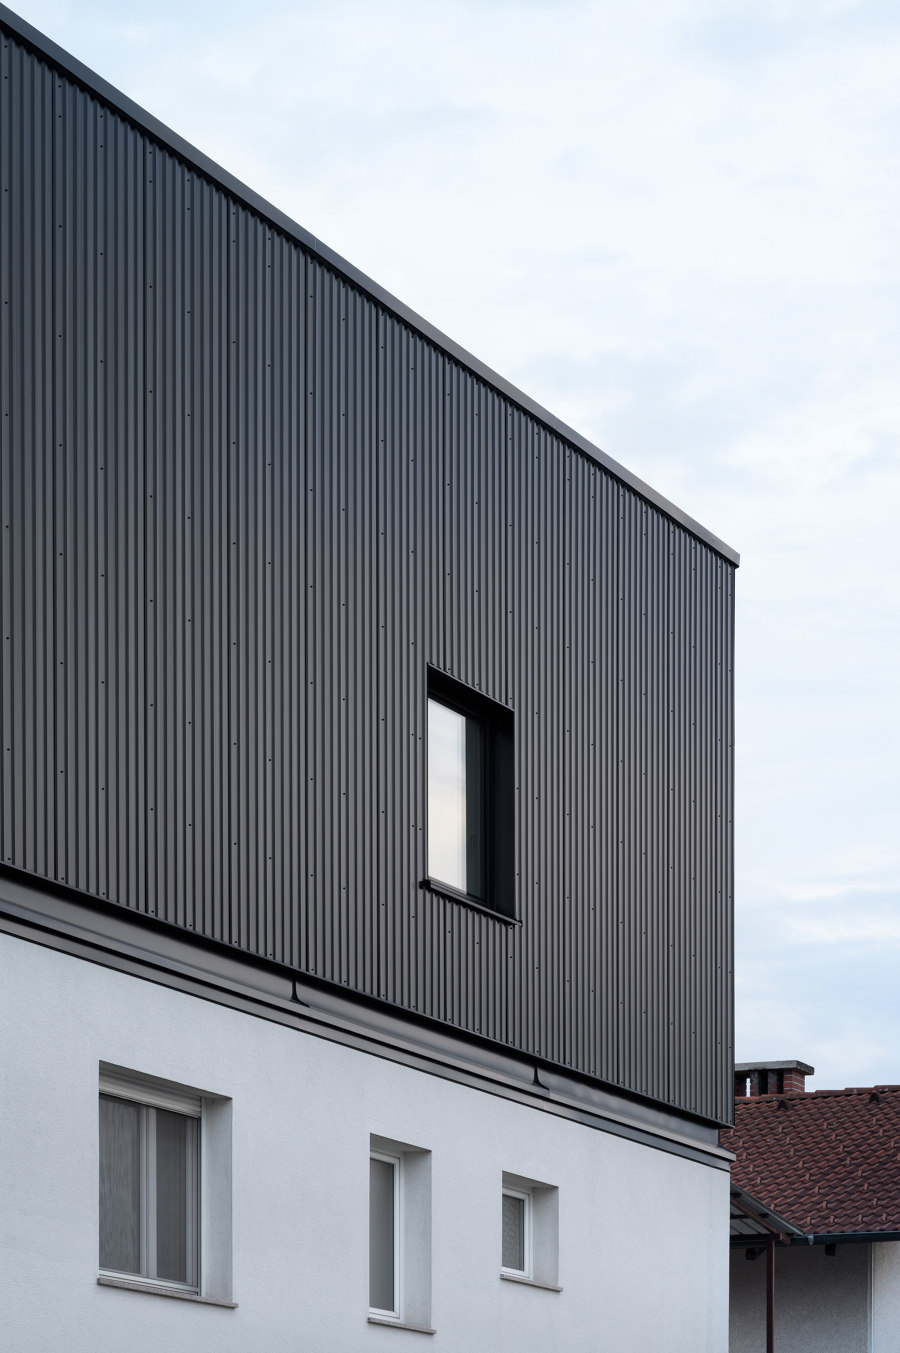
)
(120, 1185)
(447, 844)
(514, 1233)
(176, 1191)
(474, 808)
(381, 1235)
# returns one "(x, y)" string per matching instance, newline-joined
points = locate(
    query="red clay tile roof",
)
(828, 1161)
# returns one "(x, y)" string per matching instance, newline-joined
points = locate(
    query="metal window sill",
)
(399, 1324)
(150, 1289)
(431, 885)
(529, 1282)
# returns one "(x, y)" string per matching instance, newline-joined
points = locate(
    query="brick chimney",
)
(770, 1078)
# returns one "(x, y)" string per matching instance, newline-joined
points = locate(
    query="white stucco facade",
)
(642, 1233)
(885, 1297)
(845, 1303)
(820, 1302)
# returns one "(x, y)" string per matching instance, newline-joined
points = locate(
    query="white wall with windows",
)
(621, 1246)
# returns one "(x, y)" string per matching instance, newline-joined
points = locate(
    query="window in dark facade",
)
(470, 796)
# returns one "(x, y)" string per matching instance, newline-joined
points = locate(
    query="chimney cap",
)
(803, 1067)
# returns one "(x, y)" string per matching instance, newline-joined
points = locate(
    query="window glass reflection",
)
(447, 844)
(513, 1233)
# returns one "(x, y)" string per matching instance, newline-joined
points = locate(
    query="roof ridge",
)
(849, 1091)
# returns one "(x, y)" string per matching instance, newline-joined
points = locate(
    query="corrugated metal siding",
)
(243, 507)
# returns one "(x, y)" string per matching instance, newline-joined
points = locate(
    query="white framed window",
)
(517, 1256)
(149, 1184)
(164, 1186)
(385, 1226)
(530, 1232)
(399, 1234)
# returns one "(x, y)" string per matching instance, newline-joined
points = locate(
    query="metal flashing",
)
(150, 1289)
(751, 1219)
(399, 1324)
(790, 1065)
(80, 931)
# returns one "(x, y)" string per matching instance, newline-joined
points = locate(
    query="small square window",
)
(470, 795)
(530, 1232)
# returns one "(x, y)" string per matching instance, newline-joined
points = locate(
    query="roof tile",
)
(826, 1160)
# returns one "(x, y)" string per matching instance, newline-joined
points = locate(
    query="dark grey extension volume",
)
(249, 503)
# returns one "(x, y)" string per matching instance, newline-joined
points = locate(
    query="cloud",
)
(820, 984)
(776, 30)
(674, 224)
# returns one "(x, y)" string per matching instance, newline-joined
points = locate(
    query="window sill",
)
(399, 1324)
(454, 895)
(150, 1289)
(529, 1282)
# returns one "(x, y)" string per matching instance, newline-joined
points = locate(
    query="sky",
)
(676, 224)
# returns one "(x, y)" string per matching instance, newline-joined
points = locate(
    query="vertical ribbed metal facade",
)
(243, 507)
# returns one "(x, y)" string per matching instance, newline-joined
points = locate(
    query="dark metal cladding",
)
(244, 505)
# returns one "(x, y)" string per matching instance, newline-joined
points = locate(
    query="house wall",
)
(303, 1109)
(246, 502)
(821, 1303)
(885, 1297)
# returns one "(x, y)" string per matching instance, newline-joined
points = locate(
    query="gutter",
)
(846, 1238)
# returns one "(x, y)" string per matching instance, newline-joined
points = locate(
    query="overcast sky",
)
(677, 225)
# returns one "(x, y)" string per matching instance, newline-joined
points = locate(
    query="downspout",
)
(770, 1294)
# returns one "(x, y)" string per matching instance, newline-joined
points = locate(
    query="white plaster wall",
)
(642, 1233)
(885, 1297)
(820, 1302)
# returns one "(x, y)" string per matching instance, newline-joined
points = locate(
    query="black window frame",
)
(496, 792)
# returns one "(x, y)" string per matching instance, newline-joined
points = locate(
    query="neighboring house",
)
(365, 802)
(822, 1171)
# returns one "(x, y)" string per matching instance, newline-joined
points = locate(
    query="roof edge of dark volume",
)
(134, 113)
